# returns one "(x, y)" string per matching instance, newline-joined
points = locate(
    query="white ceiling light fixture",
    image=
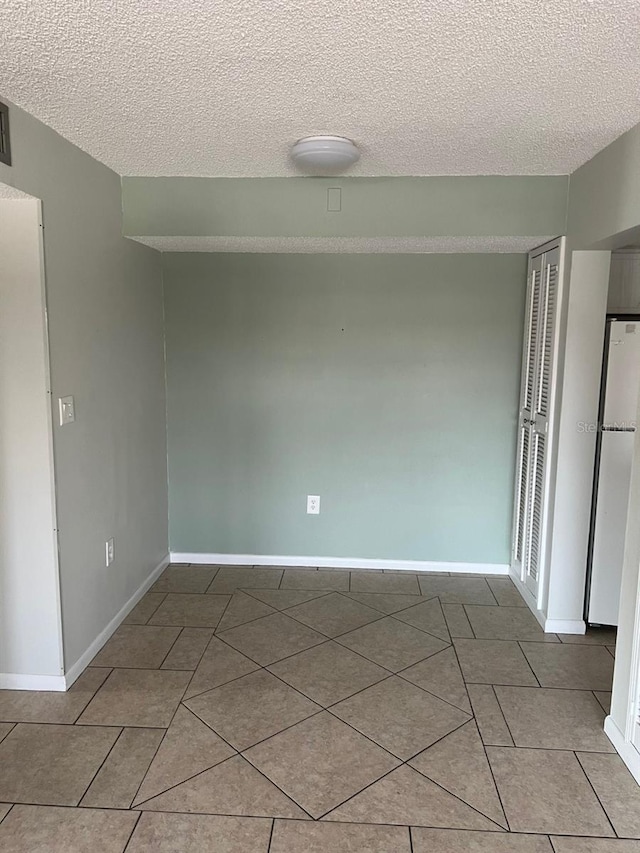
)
(325, 153)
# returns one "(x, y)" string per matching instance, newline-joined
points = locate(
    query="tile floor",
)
(300, 711)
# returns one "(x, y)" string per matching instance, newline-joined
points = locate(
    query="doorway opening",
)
(30, 618)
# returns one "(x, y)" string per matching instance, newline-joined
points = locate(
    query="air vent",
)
(5, 145)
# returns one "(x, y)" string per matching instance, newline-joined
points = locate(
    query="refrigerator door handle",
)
(617, 429)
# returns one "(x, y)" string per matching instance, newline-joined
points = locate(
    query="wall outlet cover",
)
(109, 551)
(313, 504)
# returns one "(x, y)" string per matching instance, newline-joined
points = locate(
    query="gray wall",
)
(104, 298)
(386, 384)
(371, 207)
(604, 196)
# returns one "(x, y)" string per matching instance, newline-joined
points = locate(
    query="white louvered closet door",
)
(532, 470)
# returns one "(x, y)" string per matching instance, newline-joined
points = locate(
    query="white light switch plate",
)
(109, 552)
(67, 410)
(313, 504)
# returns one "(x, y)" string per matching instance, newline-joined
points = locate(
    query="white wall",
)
(622, 697)
(624, 708)
(104, 302)
(580, 395)
(30, 626)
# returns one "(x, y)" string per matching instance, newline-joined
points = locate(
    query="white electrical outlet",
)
(313, 504)
(109, 552)
(67, 410)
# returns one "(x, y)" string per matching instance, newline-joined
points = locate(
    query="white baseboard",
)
(528, 599)
(549, 626)
(83, 661)
(15, 681)
(626, 750)
(565, 626)
(338, 563)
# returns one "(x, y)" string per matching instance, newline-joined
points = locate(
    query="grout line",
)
(224, 610)
(101, 765)
(12, 725)
(178, 635)
(495, 782)
(524, 654)
(162, 739)
(8, 810)
(457, 797)
(321, 594)
(133, 829)
(495, 696)
(410, 840)
(86, 705)
(154, 756)
(236, 754)
(139, 806)
(273, 823)
(464, 683)
(362, 790)
(606, 813)
(405, 763)
(213, 577)
(464, 608)
(90, 702)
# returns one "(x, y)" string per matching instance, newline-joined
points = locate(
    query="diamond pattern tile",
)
(320, 762)
(547, 791)
(333, 614)
(440, 674)
(242, 608)
(458, 763)
(386, 603)
(251, 708)
(392, 644)
(328, 673)
(407, 797)
(427, 616)
(399, 716)
(219, 663)
(281, 599)
(299, 710)
(272, 638)
(189, 747)
(233, 787)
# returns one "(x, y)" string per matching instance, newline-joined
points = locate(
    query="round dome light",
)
(325, 153)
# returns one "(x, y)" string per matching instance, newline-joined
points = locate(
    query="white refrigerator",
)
(614, 457)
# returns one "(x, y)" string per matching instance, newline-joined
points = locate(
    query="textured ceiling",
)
(11, 192)
(426, 87)
(345, 245)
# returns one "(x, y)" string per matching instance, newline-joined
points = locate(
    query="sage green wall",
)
(386, 384)
(104, 301)
(371, 207)
(604, 196)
